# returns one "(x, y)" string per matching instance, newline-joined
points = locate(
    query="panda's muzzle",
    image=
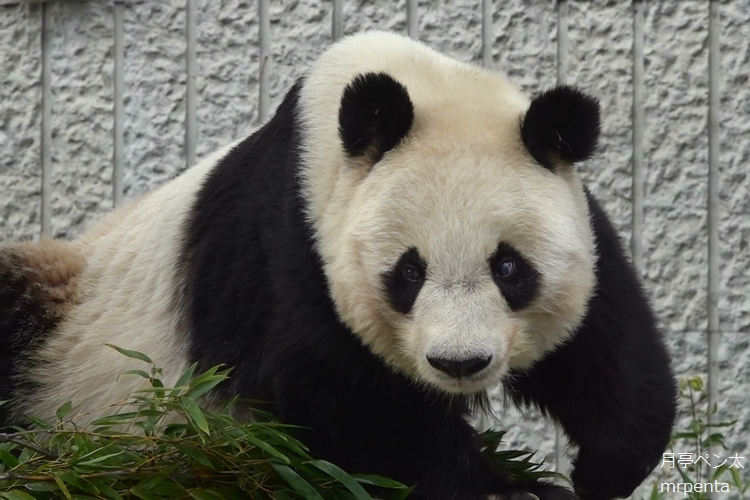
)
(460, 368)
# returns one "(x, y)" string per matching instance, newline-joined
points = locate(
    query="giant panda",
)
(405, 233)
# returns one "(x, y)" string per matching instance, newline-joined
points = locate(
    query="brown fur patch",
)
(39, 282)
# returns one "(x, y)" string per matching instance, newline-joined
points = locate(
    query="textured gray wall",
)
(80, 52)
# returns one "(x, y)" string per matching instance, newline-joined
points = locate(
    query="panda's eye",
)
(412, 272)
(506, 267)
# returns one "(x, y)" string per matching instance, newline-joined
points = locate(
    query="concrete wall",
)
(60, 64)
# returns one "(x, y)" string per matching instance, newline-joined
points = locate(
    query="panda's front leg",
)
(611, 386)
(363, 417)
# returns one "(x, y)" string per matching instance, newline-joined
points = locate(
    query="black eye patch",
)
(403, 282)
(516, 278)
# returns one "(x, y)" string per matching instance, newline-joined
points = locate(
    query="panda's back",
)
(61, 302)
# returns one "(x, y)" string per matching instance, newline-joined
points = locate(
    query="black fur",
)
(561, 124)
(257, 299)
(521, 287)
(376, 113)
(400, 290)
(611, 386)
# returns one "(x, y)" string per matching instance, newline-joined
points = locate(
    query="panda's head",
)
(454, 233)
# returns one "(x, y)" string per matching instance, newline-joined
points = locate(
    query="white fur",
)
(127, 290)
(460, 183)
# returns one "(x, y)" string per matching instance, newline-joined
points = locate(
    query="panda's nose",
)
(460, 367)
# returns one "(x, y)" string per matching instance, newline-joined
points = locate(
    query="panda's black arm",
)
(366, 418)
(611, 387)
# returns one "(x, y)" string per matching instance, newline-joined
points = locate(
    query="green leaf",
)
(736, 476)
(79, 483)
(107, 490)
(281, 495)
(719, 472)
(131, 354)
(196, 415)
(204, 494)
(722, 424)
(62, 486)
(144, 494)
(381, 481)
(152, 482)
(38, 423)
(63, 411)
(196, 454)
(186, 377)
(101, 459)
(16, 495)
(342, 477)
(296, 482)
(151, 413)
(116, 419)
(8, 459)
(267, 448)
(696, 383)
(198, 390)
(713, 439)
(140, 373)
(38, 487)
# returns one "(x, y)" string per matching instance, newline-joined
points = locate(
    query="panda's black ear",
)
(562, 124)
(376, 113)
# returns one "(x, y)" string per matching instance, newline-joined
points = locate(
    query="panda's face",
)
(453, 231)
(465, 263)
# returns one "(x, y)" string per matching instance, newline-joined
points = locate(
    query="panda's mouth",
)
(464, 383)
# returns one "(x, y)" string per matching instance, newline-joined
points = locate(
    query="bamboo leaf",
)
(131, 354)
(16, 495)
(204, 494)
(186, 377)
(8, 459)
(198, 390)
(196, 415)
(140, 373)
(267, 447)
(296, 482)
(344, 478)
(38, 423)
(62, 487)
(196, 454)
(101, 459)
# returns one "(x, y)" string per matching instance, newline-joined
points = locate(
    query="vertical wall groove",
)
(119, 88)
(562, 41)
(337, 20)
(487, 35)
(191, 93)
(412, 18)
(562, 463)
(639, 125)
(638, 167)
(714, 75)
(46, 139)
(265, 59)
